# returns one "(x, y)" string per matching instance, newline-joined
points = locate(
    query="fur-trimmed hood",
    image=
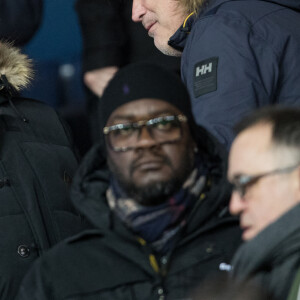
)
(17, 67)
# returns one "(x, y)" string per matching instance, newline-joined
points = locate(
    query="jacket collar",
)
(178, 39)
(280, 239)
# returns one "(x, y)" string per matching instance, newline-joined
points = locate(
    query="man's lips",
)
(148, 162)
(243, 224)
(149, 25)
(244, 227)
(148, 165)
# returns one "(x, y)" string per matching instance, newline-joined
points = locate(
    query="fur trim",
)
(17, 67)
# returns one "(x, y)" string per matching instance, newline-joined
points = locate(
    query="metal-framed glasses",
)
(164, 129)
(241, 183)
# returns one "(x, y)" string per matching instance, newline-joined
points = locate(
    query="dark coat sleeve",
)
(19, 20)
(103, 32)
(35, 285)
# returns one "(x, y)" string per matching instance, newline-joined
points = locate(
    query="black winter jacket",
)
(273, 265)
(110, 263)
(36, 168)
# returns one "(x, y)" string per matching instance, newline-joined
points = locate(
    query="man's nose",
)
(138, 11)
(236, 204)
(145, 139)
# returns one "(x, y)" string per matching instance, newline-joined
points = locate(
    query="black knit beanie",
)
(144, 80)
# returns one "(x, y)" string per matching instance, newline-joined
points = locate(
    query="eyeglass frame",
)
(250, 180)
(139, 125)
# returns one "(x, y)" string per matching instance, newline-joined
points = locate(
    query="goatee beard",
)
(154, 192)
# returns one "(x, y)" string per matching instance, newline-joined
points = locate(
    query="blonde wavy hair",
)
(191, 5)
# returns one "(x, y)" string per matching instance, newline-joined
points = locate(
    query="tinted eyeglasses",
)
(242, 182)
(164, 129)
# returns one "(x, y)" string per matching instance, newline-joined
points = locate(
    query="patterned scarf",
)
(157, 225)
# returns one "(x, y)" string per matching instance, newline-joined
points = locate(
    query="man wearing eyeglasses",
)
(264, 168)
(160, 211)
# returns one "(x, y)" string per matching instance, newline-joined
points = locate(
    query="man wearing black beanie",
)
(155, 190)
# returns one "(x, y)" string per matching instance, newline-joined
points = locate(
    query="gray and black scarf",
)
(157, 225)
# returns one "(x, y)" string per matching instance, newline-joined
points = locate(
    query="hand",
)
(98, 79)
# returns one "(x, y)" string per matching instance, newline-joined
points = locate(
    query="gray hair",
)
(285, 124)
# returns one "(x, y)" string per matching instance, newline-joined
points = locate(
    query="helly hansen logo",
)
(204, 69)
(205, 76)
